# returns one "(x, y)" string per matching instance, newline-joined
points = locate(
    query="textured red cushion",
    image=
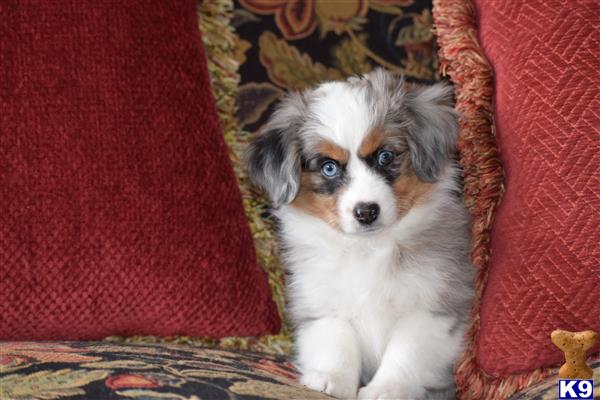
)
(119, 210)
(545, 266)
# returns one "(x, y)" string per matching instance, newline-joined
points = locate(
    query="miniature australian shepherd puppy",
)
(363, 179)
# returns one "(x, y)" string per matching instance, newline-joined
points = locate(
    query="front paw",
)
(336, 384)
(388, 391)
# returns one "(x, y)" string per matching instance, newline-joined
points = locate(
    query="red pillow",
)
(545, 266)
(119, 210)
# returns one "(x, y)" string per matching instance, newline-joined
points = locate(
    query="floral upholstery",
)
(102, 370)
(291, 45)
(105, 370)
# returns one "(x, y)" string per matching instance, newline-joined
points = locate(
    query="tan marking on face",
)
(318, 205)
(371, 142)
(333, 151)
(409, 190)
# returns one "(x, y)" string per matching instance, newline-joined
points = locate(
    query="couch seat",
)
(104, 370)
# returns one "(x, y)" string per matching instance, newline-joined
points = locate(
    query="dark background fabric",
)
(102, 370)
(293, 45)
(545, 271)
(119, 210)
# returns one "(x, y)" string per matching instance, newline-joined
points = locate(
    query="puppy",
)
(374, 233)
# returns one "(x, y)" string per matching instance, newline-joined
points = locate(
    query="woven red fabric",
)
(119, 210)
(545, 265)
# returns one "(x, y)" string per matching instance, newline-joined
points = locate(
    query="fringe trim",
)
(220, 43)
(463, 60)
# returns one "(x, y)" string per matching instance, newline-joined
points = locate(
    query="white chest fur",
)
(368, 281)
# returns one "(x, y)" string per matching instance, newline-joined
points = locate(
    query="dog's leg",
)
(328, 357)
(417, 360)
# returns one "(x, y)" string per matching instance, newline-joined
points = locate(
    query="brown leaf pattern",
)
(149, 371)
(293, 45)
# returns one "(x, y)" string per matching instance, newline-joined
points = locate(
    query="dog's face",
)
(358, 154)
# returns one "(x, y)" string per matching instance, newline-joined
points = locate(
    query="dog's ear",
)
(433, 128)
(273, 158)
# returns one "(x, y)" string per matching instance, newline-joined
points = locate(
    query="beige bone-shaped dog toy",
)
(575, 345)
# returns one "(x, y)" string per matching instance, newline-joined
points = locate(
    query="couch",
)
(127, 112)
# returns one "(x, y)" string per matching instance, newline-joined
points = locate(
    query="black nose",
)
(366, 213)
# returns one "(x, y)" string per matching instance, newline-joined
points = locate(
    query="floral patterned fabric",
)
(292, 45)
(88, 370)
(104, 370)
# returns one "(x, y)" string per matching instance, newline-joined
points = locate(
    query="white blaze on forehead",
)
(342, 113)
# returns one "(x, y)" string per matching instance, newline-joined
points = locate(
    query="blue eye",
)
(330, 169)
(384, 158)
